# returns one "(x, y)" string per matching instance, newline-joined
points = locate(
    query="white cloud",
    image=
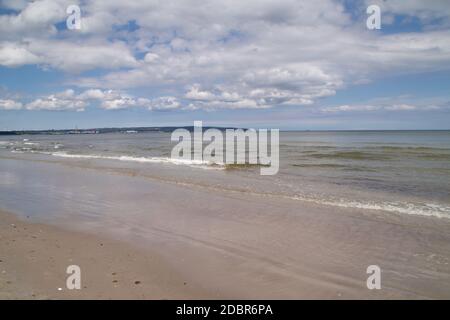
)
(347, 108)
(151, 57)
(79, 56)
(109, 99)
(391, 104)
(92, 94)
(398, 107)
(161, 103)
(12, 55)
(264, 53)
(8, 104)
(215, 54)
(122, 102)
(63, 101)
(68, 100)
(36, 18)
(195, 93)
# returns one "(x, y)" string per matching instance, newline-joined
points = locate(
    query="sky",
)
(287, 64)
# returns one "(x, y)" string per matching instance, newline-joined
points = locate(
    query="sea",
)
(394, 172)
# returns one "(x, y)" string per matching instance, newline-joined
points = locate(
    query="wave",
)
(191, 163)
(381, 153)
(426, 209)
(5, 144)
(409, 149)
(437, 157)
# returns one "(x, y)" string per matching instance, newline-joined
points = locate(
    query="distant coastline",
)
(103, 130)
(172, 128)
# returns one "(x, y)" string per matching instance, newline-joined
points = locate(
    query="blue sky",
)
(287, 64)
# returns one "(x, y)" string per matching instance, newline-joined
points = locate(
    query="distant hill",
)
(106, 130)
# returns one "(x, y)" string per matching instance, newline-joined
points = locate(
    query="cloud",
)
(80, 56)
(252, 54)
(361, 108)
(10, 105)
(35, 18)
(12, 55)
(401, 107)
(63, 101)
(112, 100)
(161, 103)
(109, 99)
(93, 94)
(122, 102)
(195, 93)
(347, 108)
(264, 54)
(69, 100)
(389, 104)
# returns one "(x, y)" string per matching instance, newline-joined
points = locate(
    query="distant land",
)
(163, 129)
(104, 130)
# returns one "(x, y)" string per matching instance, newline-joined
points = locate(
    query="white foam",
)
(192, 163)
(427, 209)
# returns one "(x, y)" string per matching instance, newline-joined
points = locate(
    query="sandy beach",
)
(184, 241)
(34, 258)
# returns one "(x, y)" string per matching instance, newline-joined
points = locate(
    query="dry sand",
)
(34, 258)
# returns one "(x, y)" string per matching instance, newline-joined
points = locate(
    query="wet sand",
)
(222, 244)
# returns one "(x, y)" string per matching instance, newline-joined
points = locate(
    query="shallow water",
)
(402, 172)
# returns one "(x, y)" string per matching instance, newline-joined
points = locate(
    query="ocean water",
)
(396, 172)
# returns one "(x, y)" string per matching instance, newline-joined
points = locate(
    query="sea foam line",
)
(428, 209)
(191, 163)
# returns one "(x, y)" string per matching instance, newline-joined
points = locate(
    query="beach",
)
(185, 232)
(34, 259)
(225, 150)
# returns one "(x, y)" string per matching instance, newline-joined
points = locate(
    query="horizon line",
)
(25, 131)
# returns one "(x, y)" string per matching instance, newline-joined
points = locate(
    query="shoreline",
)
(223, 245)
(408, 206)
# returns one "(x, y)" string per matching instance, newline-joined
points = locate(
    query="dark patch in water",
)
(335, 166)
(235, 166)
(350, 155)
(323, 165)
